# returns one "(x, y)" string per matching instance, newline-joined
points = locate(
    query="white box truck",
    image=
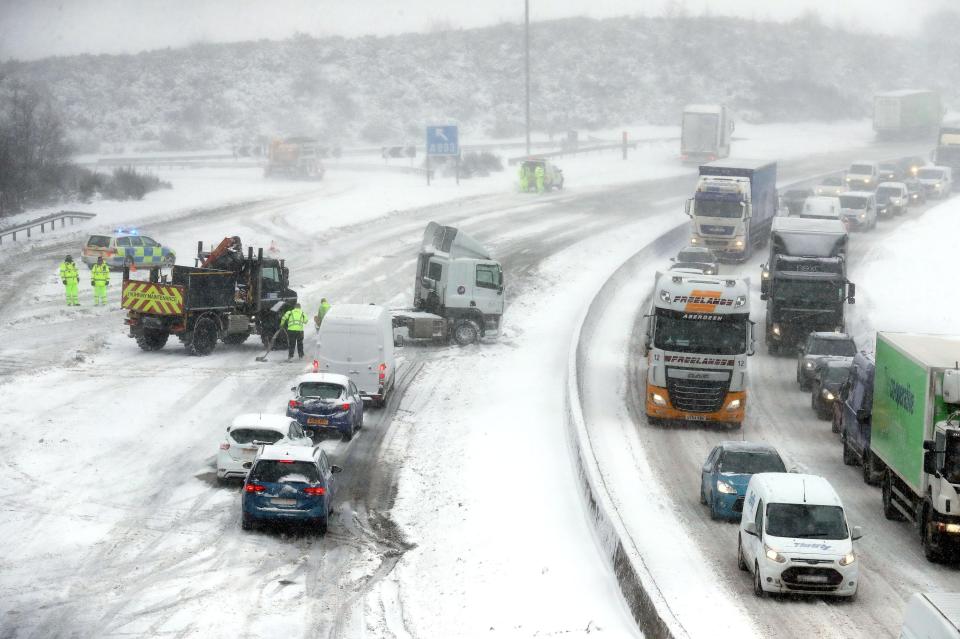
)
(356, 340)
(705, 133)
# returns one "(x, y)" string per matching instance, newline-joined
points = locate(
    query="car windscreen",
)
(99, 241)
(321, 390)
(806, 521)
(743, 462)
(701, 257)
(861, 169)
(853, 202)
(250, 435)
(275, 471)
(838, 347)
(832, 181)
(700, 333)
(884, 193)
(835, 374)
(930, 174)
(888, 168)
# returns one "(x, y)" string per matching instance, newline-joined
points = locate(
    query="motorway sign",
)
(443, 140)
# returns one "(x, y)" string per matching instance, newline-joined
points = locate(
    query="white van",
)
(937, 181)
(932, 615)
(356, 340)
(794, 537)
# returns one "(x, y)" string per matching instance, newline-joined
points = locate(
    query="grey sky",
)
(32, 29)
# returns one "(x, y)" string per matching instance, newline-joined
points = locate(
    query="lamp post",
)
(526, 63)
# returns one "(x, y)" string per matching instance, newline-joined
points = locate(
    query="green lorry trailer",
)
(915, 439)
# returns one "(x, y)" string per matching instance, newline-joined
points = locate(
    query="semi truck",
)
(705, 133)
(915, 435)
(227, 297)
(733, 206)
(804, 281)
(458, 289)
(906, 114)
(947, 152)
(295, 157)
(697, 337)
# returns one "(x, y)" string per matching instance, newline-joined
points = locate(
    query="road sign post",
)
(443, 141)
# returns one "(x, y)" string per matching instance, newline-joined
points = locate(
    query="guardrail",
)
(44, 222)
(586, 149)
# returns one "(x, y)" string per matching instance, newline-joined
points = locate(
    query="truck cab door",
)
(488, 288)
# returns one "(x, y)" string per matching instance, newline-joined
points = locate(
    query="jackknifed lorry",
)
(915, 435)
(458, 290)
(705, 133)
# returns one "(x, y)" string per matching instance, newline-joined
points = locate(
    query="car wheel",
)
(848, 456)
(741, 564)
(757, 582)
(360, 421)
(703, 500)
(246, 521)
(713, 509)
(347, 436)
(835, 424)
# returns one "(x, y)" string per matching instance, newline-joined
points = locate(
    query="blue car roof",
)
(756, 447)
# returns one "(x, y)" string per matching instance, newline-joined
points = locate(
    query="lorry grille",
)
(697, 395)
(716, 229)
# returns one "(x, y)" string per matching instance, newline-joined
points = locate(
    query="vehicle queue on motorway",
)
(793, 535)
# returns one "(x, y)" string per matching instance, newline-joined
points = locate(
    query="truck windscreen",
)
(951, 460)
(700, 333)
(718, 205)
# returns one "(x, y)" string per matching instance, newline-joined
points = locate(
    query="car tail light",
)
(316, 366)
(294, 404)
(315, 491)
(345, 407)
(225, 446)
(383, 372)
(254, 488)
(285, 461)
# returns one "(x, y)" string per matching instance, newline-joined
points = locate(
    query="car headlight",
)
(951, 528)
(725, 488)
(776, 329)
(773, 555)
(808, 364)
(847, 559)
(827, 395)
(658, 399)
(734, 405)
(765, 274)
(665, 295)
(863, 216)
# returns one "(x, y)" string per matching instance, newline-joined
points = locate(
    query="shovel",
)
(263, 357)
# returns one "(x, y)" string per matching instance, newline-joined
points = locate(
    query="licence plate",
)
(319, 421)
(813, 579)
(249, 452)
(695, 418)
(283, 502)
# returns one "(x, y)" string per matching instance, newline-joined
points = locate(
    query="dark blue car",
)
(727, 471)
(856, 405)
(326, 402)
(289, 484)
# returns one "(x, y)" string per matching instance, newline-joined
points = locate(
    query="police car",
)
(126, 246)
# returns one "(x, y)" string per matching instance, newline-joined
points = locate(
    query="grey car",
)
(817, 346)
(697, 257)
(829, 375)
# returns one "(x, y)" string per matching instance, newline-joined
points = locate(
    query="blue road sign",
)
(443, 140)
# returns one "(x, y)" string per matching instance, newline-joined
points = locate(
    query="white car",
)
(937, 181)
(247, 433)
(794, 537)
(858, 209)
(831, 186)
(893, 198)
(863, 176)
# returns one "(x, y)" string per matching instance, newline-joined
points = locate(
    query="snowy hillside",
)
(587, 74)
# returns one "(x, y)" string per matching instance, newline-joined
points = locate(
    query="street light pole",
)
(526, 62)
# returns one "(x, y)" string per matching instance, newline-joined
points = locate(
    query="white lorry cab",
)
(794, 537)
(698, 337)
(356, 340)
(932, 615)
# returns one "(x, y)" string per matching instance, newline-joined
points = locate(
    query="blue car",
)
(727, 471)
(289, 484)
(325, 402)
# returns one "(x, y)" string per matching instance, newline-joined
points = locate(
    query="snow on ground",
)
(911, 272)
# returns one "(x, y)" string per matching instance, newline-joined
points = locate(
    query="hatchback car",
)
(792, 200)
(862, 176)
(727, 471)
(858, 209)
(818, 346)
(887, 172)
(126, 246)
(829, 375)
(831, 186)
(697, 257)
(289, 484)
(325, 402)
(892, 198)
(246, 434)
(916, 191)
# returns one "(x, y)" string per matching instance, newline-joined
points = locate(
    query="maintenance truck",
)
(804, 282)
(227, 297)
(947, 152)
(295, 157)
(915, 435)
(458, 289)
(733, 206)
(697, 337)
(705, 133)
(906, 114)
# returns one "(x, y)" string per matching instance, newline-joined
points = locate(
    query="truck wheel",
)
(152, 340)
(889, 510)
(466, 332)
(848, 457)
(869, 474)
(204, 338)
(235, 339)
(930, 538)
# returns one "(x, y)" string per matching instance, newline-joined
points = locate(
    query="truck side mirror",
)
(753, 340)
(851, 292)
(863, 415)
(929, 460)
(427, 283)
